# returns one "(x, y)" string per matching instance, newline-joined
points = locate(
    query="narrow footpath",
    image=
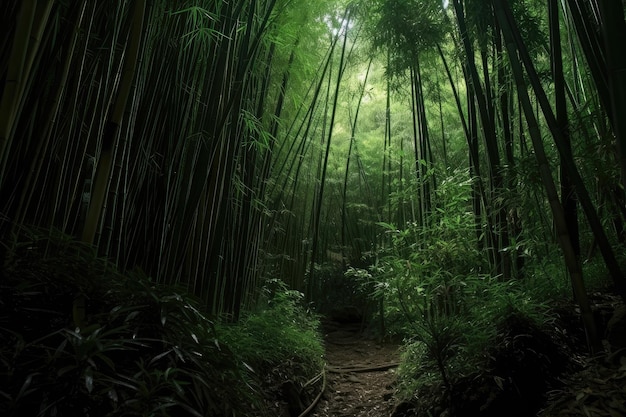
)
(360, 374)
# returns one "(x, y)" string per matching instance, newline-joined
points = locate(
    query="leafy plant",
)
(278, 341)
(438, 297)
(147, 350)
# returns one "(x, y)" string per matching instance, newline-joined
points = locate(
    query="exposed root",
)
(312, 406)
(358, 368)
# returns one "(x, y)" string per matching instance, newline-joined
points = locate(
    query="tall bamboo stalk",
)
(111, 132)
(319, 197)
(568, 193)
(353, 130)
(32, 20)
(571, 260)
(613, 28)
(572, 171)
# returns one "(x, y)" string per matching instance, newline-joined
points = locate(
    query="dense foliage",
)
(433, 166)
(147, 350)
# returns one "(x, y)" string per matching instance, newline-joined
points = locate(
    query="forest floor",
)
(360, 374)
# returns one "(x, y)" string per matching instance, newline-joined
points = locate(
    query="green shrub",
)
(438, 294)
(446, 344)
(148, 350)
(280, 340)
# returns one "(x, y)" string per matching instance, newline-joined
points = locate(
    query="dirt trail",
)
(360, 375)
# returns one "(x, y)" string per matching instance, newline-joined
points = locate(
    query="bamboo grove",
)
(217, 144)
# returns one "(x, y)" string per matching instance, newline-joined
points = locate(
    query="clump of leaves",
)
(147, 350)
(280, 340)
(451, 327)
(439, 296)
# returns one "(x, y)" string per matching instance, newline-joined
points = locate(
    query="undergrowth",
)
(450, 322)
(279, 332)
(447, 347)
(279, 342)
(147, 349)
(438, 292)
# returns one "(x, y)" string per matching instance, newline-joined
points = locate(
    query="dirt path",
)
(360, 375)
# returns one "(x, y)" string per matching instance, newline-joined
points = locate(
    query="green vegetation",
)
(147, 350)
(437, 297)
(451, 170)
(282, 319)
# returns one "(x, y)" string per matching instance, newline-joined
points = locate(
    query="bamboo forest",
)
(324, 208)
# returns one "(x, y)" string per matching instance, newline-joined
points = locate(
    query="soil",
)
(360, 374)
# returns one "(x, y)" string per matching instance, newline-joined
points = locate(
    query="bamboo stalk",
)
(571, 260)
(111, 131)
(110, 137)
(15, 79)
(577, 182)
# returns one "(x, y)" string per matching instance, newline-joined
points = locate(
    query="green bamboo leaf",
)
(62, 371)
(89, 379)
(26, 389)
(112, 395)
(248, 367)
(387, 226)
(5, 395)
(159, 356)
